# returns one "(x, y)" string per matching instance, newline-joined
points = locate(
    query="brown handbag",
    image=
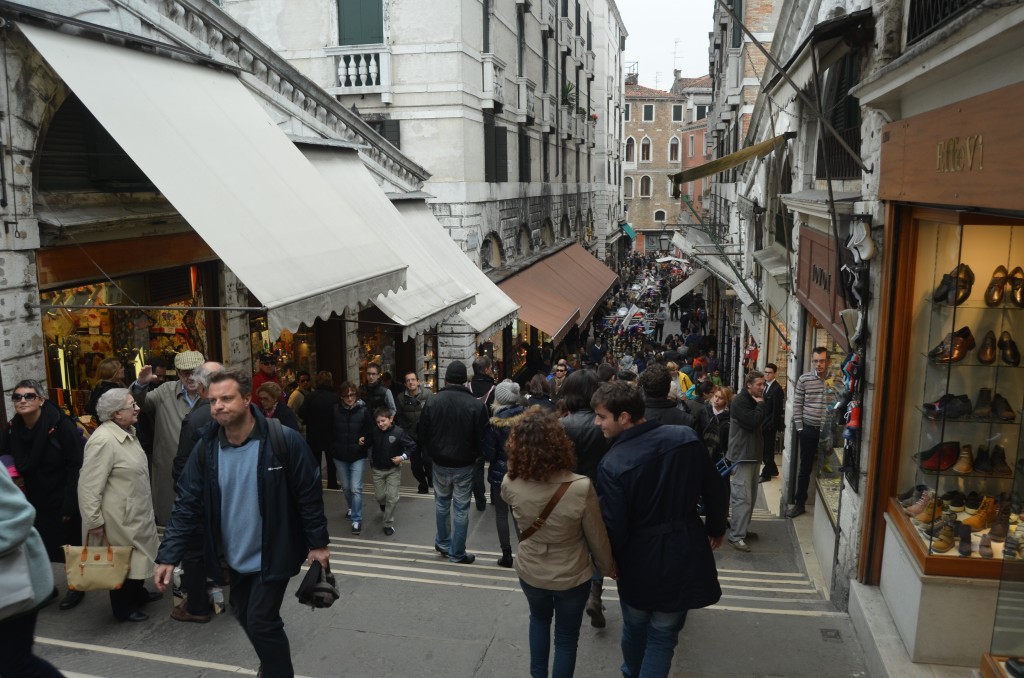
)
(536, 525)
(97, 568)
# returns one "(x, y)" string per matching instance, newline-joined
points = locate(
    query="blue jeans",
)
(648, 641)
(567, 609)
(350, 475)
(452, 486)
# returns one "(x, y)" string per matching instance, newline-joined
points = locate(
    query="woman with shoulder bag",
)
(19, 540)
(115, 499)
(508, 409)
(47, 450)
(560, 527)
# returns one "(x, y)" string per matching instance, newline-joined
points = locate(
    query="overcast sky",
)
(667, 34)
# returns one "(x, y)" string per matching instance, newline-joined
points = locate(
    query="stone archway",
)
(524, 241)
(491, 252)
(547, 233)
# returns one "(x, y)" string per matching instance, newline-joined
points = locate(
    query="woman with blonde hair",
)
(560, 527)
(110, 373)
(713, 422)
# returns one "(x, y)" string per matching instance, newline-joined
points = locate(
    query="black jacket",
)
(351, 424)
(410, 407)
(590, 443)
(49, 457)
(284, 414)
(776, 399)
(291, 505)
(452, 427)
(650, 484)
(667, 412)
(497, 433)
(714, 430)
(317, 414)
(481, 386)
(192, 426)
(386, 444)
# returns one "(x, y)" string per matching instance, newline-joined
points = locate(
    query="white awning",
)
(431, 293)
(301, 248)
(688, 285)
(493, 309)
(696, 244)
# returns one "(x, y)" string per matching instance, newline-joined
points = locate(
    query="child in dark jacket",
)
(390, 446)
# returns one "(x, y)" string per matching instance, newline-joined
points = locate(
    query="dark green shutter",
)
(489, 168)
(360, 22)
(500, 154)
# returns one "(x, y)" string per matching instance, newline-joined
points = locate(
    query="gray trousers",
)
(385, 491)
(743, 485)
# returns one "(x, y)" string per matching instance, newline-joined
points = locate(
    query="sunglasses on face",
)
(16, 397)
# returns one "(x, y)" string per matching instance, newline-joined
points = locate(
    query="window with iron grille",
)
(926, 16)
(843, 111)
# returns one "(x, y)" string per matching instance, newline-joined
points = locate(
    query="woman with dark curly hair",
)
(553, 564)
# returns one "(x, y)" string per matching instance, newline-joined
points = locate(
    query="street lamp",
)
(664, 239)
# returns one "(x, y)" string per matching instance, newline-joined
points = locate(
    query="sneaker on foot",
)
(740, 545)
(388, 531)
(348, 514)
(467, 559)
(356, 528)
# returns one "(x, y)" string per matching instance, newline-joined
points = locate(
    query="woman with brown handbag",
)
(115, 500)
(560, 527)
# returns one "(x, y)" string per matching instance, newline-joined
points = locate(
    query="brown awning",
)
(590, 278)
(732, 160)
(540, 305)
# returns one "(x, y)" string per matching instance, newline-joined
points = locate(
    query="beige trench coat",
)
(168, 406)
(113, 492)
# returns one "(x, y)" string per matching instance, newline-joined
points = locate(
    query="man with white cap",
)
(167, 404)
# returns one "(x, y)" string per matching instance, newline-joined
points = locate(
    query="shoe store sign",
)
(964, 154)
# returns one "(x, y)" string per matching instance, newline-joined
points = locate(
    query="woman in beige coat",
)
(554, 562)
(115, 501)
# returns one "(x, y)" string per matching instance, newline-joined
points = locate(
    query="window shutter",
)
(360, 22)
(500, 154)
(489, 164)
(392, 132)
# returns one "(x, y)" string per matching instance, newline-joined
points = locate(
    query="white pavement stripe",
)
(72, 674)
(776, 582)
(765, 574)
(167, 659)
(417, 580)
(766, 589)
(420, 570)
(428, 561)
(763, 599)
(790, 613)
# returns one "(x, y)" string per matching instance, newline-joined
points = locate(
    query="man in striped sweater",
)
(809, 402)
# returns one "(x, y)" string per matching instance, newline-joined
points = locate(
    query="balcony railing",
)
(365, 69)
(547, 116)
(525, 100)
(549, 15)
(588, 64)
(565, 122)
(579, 128)
(565, 36)
(494, 81)
(840, 164)
(926, 16)
(589, 130)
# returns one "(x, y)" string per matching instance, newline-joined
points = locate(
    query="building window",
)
(360, 22)
(677, 113)
(630, 150)
(545, 78)
(495, 151)
(691, 146)
(627, 187)
(487, 24)
(673, 150)
(648, 112)
(645, 150)
(737, 30)
(389, 129)
(625, 112)
(659, 215)
(671, 188)
(520, 41)
(645, 187)
(702, 112)
(525, 163)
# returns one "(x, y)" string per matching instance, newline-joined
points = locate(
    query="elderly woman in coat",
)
(115, 500)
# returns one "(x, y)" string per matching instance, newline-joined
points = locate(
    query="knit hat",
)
(188, 360)
(456, 373)
(507, 393)
(626, 362)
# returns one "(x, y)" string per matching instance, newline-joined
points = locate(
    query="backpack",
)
(277, 447)
(713, 436)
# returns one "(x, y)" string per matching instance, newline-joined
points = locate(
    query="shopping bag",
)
(97, 568)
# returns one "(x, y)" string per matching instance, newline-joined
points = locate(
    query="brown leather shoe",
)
(954, 347)
(946, 539)
(179, 613)
(931, 513)
(1008, 349)
(987, 351)
(985, 516)
(965, 463)
(997, 286)
(1016, 280)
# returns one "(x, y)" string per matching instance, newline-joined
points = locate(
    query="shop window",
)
(673, 150)
(645, 150)
(648, 112)
(630, 150)
(960, 428)
(645, 187)
(360, 22)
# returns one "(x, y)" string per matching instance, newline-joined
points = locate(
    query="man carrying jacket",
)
(264, 536)
(451, 432)
(649, 485)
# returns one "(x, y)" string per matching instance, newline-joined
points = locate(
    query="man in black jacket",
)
(451, 432)
(269, 534)
(656, 382)
(317, 413)
(193, 579)
(774, 422)
(482, 386)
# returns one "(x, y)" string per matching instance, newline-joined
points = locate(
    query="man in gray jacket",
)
(746, 447)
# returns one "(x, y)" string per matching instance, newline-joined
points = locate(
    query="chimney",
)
(676, 73)
(632, 78)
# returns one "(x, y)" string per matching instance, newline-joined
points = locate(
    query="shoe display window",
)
(828, 465)
(1007, 640)
(960, 449)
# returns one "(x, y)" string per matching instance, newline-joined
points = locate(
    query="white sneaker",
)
(356, 528)
(348, 513)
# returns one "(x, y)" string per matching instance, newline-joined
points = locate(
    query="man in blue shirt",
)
(260, 508)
